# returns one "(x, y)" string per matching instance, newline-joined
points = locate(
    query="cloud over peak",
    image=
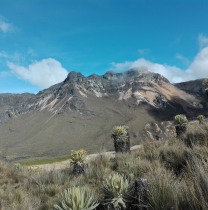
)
(198, 68)
(42, 73)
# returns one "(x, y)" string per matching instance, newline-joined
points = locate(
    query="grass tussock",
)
(162, 192)
(163, 175)
(197, 134)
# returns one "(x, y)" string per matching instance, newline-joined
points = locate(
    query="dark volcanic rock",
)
(161, 101)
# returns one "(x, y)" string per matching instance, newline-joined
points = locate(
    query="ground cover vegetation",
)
(161, 175)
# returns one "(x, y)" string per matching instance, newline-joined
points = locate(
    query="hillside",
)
(80, 112)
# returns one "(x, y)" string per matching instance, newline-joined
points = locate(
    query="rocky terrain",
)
(80, 111)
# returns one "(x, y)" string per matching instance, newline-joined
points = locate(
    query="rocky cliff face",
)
(13, 105)
(135, 87)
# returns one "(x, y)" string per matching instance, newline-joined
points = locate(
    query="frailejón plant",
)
(200, 118)
(117, 191)
(180, 120)
(77, 198)
(120, 130)
(78, 156)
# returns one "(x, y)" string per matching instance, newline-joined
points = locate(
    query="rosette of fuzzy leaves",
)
(77, 198)
(200, 118)
(118, 191)
(120, 130)
(78, 156)
(180, 120)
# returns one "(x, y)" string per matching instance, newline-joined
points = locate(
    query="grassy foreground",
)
(174, 175)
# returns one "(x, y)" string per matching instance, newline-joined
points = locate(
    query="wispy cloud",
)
(183, 59)
(3, 54)
(203, 41)
(143, 51)
(42, 73)
(4, 74)
(31, 52)
(196, 70)
(5, 26)
(17, 57)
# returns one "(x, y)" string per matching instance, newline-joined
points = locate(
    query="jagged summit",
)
(74, 77)
(134, 73)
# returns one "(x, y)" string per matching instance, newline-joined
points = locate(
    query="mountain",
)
(80, 111)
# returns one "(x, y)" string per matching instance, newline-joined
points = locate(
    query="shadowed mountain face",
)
(80, 111)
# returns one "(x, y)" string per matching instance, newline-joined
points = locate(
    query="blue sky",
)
(42, 40)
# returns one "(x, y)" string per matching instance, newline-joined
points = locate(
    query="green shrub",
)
(77, 198)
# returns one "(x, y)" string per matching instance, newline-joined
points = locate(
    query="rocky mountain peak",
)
(74, 77)
(133, 72)
(135, 87)
(109, 75)
(112, 78)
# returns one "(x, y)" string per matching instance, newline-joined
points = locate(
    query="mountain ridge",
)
(140, 86)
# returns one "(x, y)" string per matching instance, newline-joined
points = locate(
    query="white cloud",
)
(5, 26)
(203, 41)
(197, 69)
(170, 72)
(42, 73)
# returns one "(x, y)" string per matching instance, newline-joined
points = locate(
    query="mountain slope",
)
(80, 112)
